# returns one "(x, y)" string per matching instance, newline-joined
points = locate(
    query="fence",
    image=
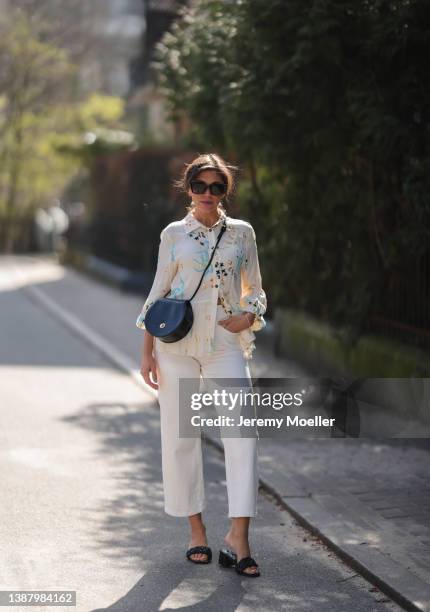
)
(403, 311)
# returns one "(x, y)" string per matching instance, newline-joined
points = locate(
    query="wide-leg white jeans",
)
(182, 465)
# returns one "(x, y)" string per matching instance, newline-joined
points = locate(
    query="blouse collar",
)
(191, 223)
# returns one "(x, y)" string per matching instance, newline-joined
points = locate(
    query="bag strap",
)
(223, 228)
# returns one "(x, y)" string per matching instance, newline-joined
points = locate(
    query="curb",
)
(315, 519)
(310, 515)
(110, 273)
(305, 510)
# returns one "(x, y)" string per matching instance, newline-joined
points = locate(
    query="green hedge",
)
(325, 104)
(330, 351)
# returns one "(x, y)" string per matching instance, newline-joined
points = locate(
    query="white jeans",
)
(182, 464)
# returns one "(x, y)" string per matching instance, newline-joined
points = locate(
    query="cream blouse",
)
(234, 276)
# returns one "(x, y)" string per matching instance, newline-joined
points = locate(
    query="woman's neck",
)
(207, 219)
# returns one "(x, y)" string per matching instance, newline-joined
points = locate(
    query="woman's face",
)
(206, 202)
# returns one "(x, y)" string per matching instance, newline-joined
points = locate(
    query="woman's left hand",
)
(237, 323)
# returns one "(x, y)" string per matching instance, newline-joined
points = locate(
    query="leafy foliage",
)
(40, 119)
(326, 103)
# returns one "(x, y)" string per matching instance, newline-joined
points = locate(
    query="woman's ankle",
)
(197, 527)
(238, 532)
(198, 535)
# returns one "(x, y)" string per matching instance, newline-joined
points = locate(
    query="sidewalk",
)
(369, 500)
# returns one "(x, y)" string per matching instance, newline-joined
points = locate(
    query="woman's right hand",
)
(149, 366)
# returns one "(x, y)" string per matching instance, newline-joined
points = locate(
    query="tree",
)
(37, 108)
(327, 103)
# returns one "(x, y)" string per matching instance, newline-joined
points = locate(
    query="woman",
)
(228, 308)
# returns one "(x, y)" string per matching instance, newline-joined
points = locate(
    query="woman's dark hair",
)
(208, 161)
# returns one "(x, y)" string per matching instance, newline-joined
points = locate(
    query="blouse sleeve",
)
(253, 297)
(166, 269)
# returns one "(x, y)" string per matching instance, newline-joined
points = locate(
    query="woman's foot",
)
(198, 538)
(240, 545)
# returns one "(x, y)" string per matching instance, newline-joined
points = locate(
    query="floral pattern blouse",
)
(233, 276)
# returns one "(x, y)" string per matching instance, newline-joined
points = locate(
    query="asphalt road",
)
(81, 497)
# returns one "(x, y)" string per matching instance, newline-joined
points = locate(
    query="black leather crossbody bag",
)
(170, 319)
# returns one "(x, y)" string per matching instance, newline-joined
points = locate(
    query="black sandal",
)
(243, 564)
(205, 550)
(228, 558)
